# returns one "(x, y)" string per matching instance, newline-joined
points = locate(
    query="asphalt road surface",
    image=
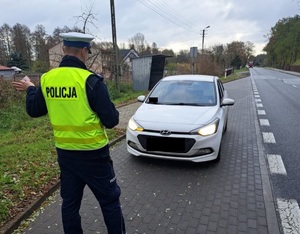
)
(278, 102)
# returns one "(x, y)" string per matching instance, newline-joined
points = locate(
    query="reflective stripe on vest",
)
(75, 125)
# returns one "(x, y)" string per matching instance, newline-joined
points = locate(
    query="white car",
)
(183, 118)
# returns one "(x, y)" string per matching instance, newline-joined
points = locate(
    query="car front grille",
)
(166, 144)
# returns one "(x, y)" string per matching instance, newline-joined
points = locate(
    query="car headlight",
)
(134, 126)
(210, 128)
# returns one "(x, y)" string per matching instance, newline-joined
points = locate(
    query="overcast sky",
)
(171, 24)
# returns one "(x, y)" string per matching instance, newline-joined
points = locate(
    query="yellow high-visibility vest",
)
(75, 125)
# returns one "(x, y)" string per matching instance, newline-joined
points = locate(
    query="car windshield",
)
(198, 93)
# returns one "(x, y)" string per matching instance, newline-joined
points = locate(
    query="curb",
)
(15, 222)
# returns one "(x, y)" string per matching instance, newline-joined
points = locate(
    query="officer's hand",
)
(23, 84)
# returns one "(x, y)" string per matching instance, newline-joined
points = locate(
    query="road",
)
(277, 99)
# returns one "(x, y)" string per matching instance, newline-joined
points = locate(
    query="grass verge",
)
(238, 74)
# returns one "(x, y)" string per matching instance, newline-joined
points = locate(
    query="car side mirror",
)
(227, 102)
(141, 98)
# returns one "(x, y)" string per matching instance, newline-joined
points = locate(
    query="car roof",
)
(192, 77)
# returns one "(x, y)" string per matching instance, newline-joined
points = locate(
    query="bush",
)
(8, 94)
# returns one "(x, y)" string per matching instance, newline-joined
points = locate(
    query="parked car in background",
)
(183, 118)
(250, 64)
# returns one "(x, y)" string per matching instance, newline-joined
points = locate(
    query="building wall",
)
(141, 70)
(94, 62)
(7, 74)
(55, 55)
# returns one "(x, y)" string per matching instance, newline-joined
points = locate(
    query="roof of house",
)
(3, 68)
(154, 56)
(125, 53)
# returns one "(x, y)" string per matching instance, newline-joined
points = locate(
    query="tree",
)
(16, 59)
(168, 52)
(87, 17)
(5, 43)
(183, 56)
(39, 42)
(260, 60)
(138, 42)
(236, 62)
(21, 43)
(218, 53)
(154, 48)
(147, 51)
(237, 53)
(249, 49)
(283, 47)
(55, 38)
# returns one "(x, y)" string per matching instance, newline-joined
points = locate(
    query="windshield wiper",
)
(185, 104)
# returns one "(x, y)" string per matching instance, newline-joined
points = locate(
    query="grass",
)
(238, 74)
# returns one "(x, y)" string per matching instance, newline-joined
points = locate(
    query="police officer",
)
(79, 108)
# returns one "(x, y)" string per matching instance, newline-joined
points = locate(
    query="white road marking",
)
(259, 105)
(294, 86)
(268, 137)
(290, 215)
(257, 100)
(261, 112)
(264, 122)
(257, 96)
(276, 164)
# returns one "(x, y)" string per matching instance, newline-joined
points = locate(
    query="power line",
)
(174, 13)
(167, 12)
(163, 14)
(229, 33)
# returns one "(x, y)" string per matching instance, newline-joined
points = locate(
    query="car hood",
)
(174, 117)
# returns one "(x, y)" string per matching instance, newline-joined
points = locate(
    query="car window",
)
(185, 93)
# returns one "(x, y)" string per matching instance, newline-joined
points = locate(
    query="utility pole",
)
(203, 33)
(115, 45)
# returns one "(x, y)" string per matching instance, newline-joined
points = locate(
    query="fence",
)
(228, 71)
(293, 68)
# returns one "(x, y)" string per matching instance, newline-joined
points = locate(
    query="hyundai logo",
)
(165, 132)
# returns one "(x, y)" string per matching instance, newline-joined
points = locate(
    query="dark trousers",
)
(99, 175)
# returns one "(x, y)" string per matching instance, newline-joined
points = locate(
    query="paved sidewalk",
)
(160, 196)
(126, 112)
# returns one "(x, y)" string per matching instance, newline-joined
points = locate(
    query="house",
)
(55, 55)
(93, 63)
(7, 73)
(127, 55)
